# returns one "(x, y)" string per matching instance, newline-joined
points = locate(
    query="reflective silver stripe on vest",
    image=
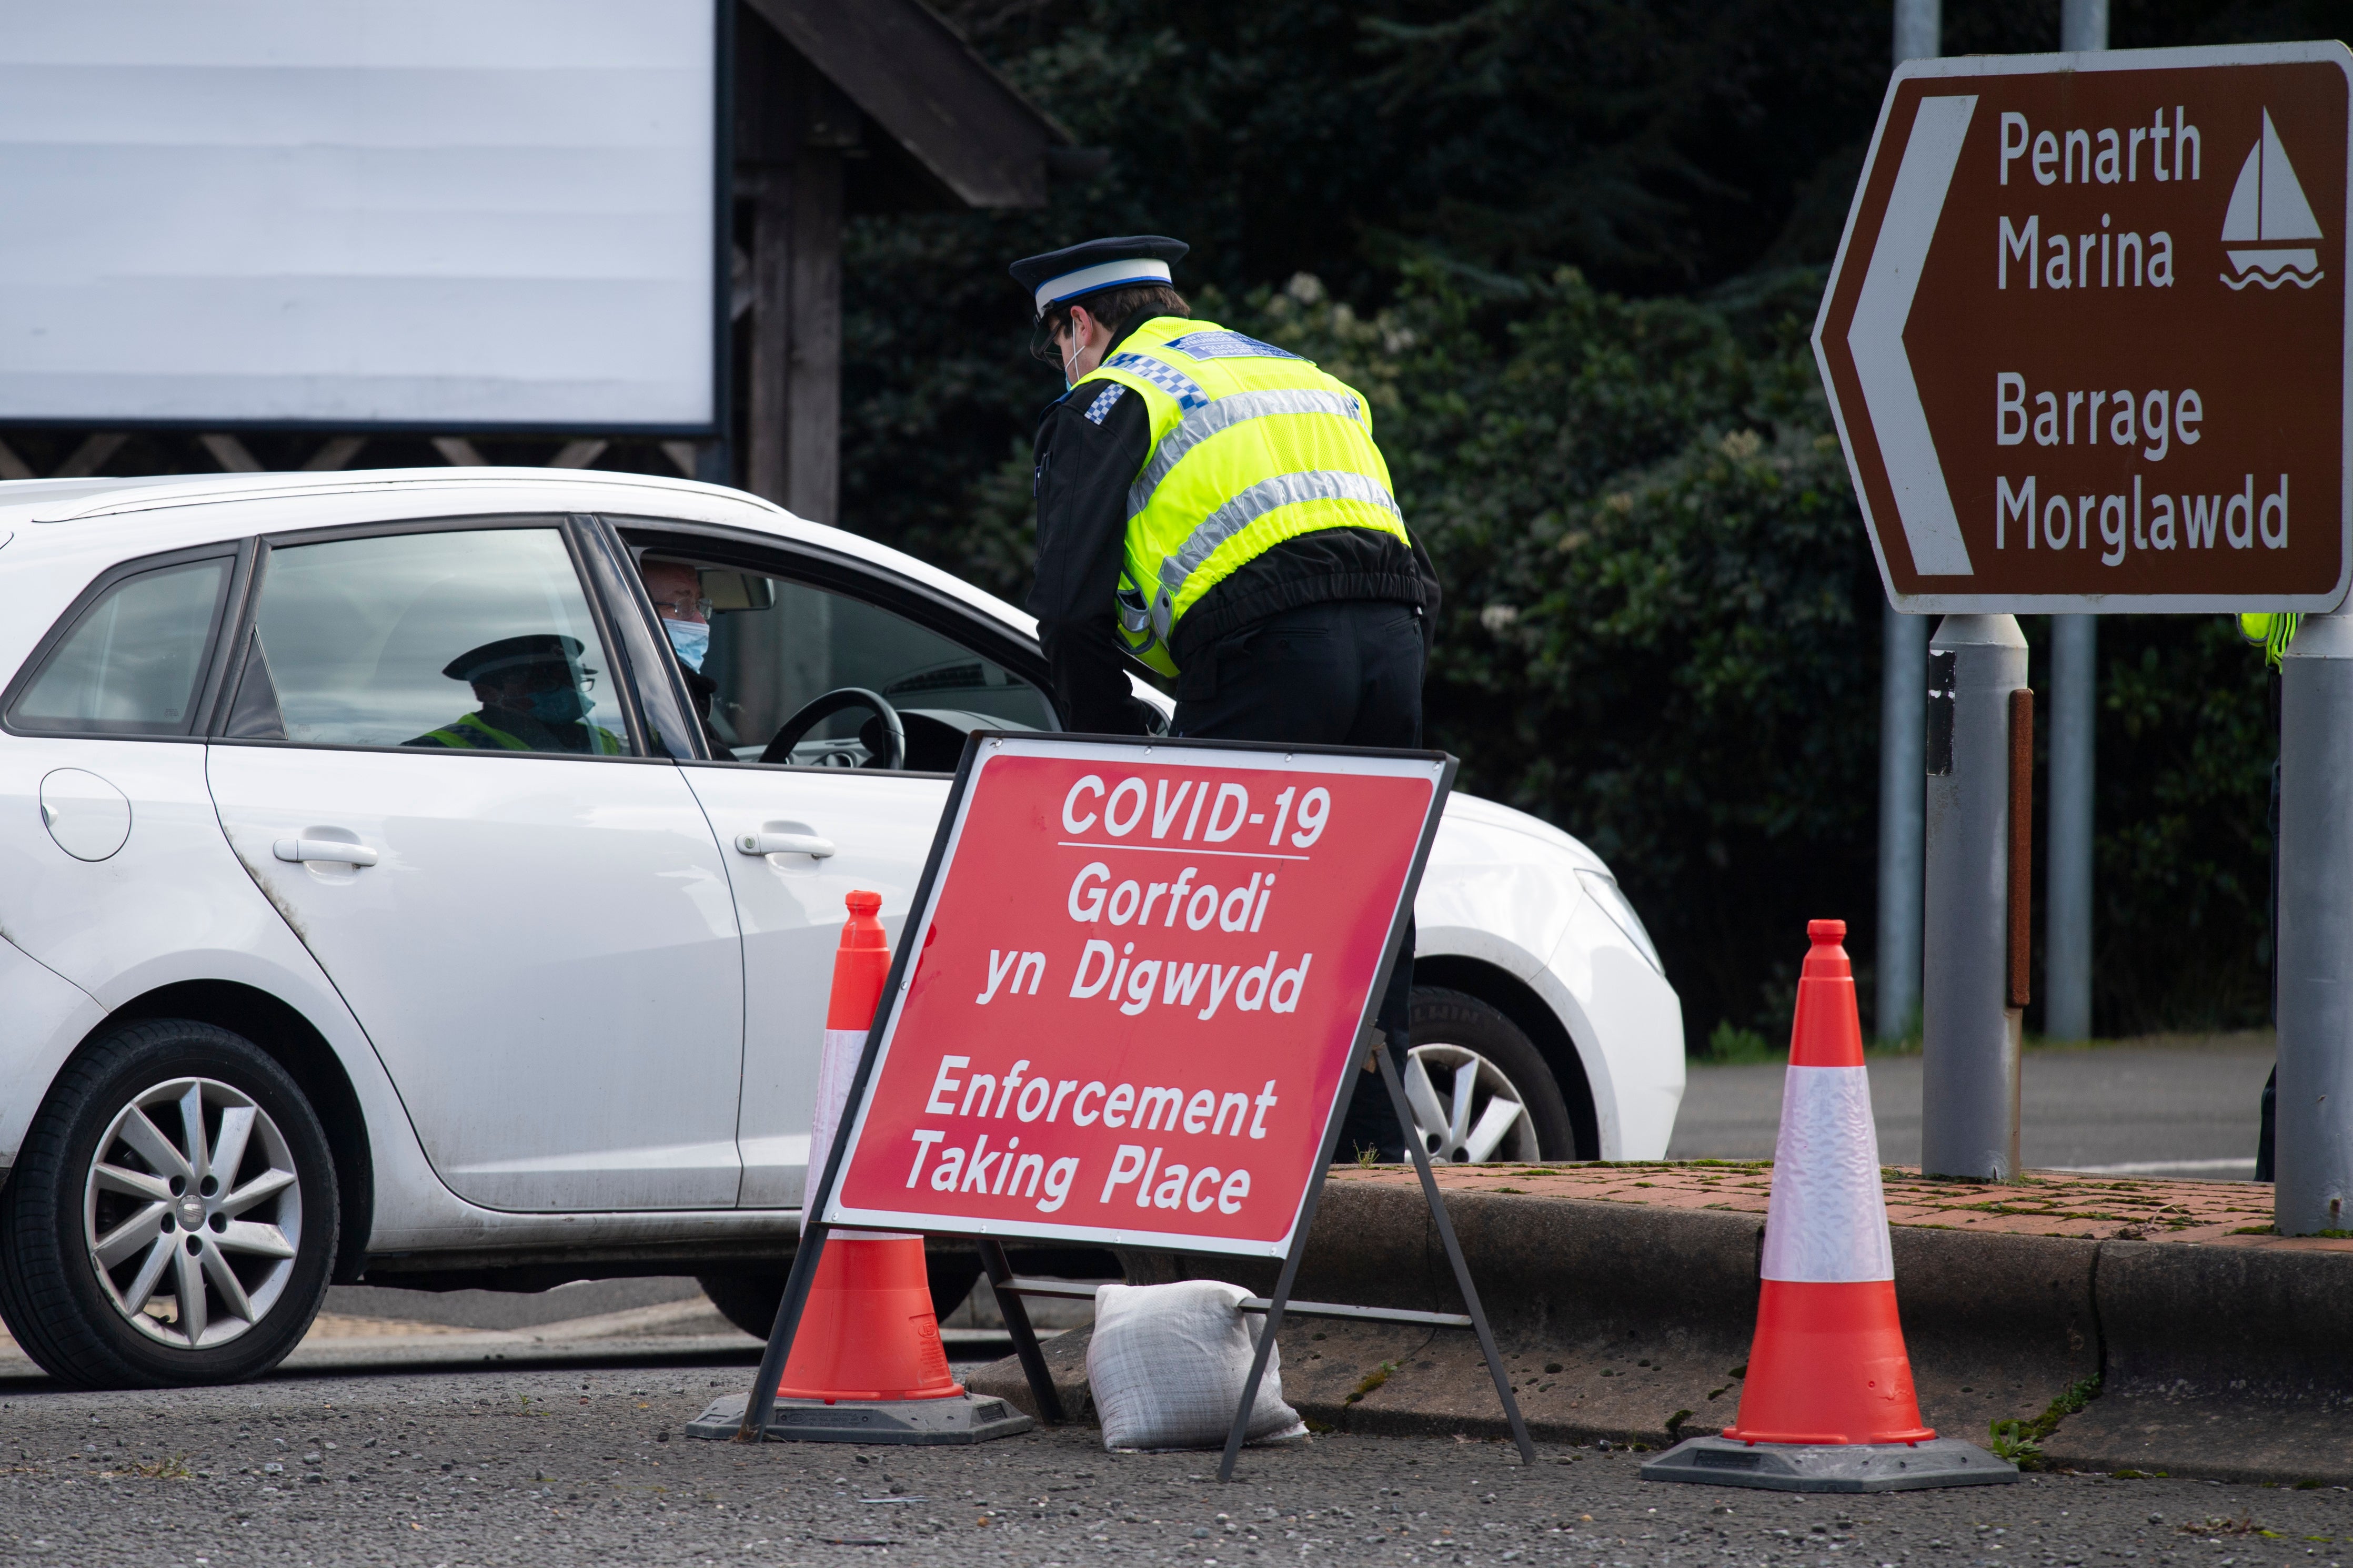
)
(1267, 495)
(1223, 414)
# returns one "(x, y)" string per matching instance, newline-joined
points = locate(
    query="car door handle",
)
(301, 849)
(808, 843)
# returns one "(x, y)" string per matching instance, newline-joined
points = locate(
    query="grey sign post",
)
(1968, 1091)
(2075, 683)
(1904, 664)
(2314, 1133)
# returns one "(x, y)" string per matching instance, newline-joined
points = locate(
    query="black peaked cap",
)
(1033, 272)
(532, 647)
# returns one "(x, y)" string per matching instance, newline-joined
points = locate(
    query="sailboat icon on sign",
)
(2267, 207)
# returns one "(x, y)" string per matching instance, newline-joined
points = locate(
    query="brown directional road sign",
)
(2085, 338)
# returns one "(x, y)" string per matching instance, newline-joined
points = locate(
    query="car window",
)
(776, 646)
(132, 663)
(472, 640)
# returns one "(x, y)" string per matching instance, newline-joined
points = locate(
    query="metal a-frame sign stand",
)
(1011, 1288)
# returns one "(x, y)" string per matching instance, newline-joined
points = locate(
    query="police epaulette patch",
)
(1102, 403)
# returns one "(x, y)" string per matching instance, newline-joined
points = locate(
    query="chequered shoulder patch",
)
(1224, 344)
(1164, 375)
(1102, 403)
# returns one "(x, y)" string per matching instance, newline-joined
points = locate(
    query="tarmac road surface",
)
(2187, 1107)
(588, 1467)
(539, 1463)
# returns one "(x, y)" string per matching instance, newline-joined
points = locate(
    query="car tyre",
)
(109, 1213)
(749, 1301)
(1454, 1031)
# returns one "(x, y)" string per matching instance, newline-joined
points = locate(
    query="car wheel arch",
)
(1517, 1001)
(291, 1040)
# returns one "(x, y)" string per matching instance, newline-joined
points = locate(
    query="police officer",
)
(1215, 507)
(2271, 632)
(534, 698)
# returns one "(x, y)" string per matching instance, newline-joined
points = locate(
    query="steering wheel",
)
(780, 748)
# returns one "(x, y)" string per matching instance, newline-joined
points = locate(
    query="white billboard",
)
(446, 214)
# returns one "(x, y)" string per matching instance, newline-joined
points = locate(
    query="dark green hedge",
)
(1663, 625)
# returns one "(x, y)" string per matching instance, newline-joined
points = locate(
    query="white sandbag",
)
(1167, 1363)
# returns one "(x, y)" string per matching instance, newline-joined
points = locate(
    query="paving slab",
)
(1624, 1300)
(2091, 1207)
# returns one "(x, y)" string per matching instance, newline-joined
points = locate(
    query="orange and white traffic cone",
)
(867, 1365)
(1827, 1403)
(869, 1332)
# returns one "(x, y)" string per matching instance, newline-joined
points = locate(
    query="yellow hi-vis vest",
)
(1252, 445)
(2272, 633)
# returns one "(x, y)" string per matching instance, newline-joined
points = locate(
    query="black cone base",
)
(966, 1418)
(1830, 1466)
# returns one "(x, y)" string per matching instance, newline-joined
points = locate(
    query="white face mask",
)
(1071, 372)
(691, 639)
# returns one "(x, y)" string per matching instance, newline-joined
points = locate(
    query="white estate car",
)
(306, 978)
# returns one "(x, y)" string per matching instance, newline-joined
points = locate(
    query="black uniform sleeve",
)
(1083, 468)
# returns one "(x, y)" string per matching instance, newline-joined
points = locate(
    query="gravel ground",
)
(589, 1466)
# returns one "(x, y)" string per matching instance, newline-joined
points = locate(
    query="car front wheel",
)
(1479, 1090)
(172, 1219)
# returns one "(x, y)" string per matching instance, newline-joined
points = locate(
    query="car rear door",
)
(527, 913)
(105, 750)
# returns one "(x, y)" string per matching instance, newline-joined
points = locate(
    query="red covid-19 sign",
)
(1134, 991)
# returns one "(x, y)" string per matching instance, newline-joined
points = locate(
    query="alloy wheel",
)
(1465, 1109)
(193, 1213)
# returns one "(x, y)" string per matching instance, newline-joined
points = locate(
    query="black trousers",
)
(1344, 673)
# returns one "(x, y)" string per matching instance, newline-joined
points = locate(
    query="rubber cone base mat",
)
(1830, 1466)
(965, 1418)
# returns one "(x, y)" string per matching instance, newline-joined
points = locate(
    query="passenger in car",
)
(534, 698)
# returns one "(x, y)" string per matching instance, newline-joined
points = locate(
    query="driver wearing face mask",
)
(676, 589)
(535, 698)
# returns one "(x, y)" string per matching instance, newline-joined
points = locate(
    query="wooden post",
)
(766, 459)
(792, 128)
(230, 453)
(812, 435)
(87, 459)
(336, 454)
